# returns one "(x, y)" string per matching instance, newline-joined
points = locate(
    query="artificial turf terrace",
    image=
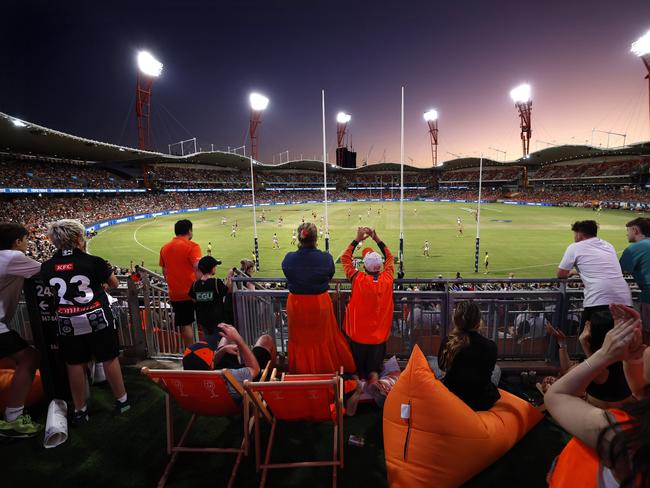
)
(526, 241)
(130, 450)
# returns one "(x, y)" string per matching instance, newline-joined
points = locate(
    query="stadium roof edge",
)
(23, 137)
(553, 154)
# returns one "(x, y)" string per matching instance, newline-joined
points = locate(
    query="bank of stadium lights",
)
(521, 95)
(18, 123)
(431, 118)
(258, 104)
(149, 68)
(149, 65)
(342, 120)
(641, 48)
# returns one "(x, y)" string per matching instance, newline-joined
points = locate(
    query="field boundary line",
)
(135, 238)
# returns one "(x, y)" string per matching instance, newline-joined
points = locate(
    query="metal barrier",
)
(514, 316)
(514, 312)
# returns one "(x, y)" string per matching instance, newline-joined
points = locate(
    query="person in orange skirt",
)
(316, 344)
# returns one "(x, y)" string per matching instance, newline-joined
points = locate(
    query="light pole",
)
(431, 118)
(148, 69)
(521, 96)
(642, 49)
(258, 105)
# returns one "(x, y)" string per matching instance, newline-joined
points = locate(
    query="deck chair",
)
(203, 393)
(298, 397)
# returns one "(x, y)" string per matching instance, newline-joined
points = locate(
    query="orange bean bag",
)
(35, 395)
(444, 443)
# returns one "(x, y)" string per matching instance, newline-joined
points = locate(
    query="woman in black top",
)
(468, 359)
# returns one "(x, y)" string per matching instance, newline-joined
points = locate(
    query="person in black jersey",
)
(468, 359)
(208, 294)
(86, 325)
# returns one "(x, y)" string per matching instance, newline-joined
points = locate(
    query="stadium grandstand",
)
(48, 175)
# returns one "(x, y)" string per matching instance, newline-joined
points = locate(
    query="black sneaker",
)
(79, 417)
(121, 408)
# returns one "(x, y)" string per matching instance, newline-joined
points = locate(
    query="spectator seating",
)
(203, 393)
(422, 450)
(298, 397)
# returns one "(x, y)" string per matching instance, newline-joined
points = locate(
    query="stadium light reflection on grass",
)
(149, 65)
(521, 93)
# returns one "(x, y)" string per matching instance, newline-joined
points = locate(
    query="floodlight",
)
(18, 123)
(642, 46)
(258, 102)
(343, 118)
(521, 94)
(431, 115)
(149, 65)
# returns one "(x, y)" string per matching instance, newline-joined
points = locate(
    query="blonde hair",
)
(66, 233)
(307, 234)
(467, 317)
(246, 265)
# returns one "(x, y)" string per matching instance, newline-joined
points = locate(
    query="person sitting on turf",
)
(231, 350)
(469, 359)
(369, 314)
(611, 446)
(208, 294)
(15, 266)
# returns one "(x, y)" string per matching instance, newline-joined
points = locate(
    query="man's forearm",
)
(246, 355)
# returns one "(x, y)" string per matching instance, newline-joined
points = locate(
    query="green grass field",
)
(527, 241)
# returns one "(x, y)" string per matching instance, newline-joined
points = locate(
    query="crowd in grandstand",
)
(28, 174)
(586, 170)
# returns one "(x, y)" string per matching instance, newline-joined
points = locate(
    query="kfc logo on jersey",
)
(64, 267)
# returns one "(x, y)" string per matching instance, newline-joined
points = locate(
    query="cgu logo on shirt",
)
(64, 267)
(204, 296)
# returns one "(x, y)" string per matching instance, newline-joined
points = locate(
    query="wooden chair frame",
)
(255, 392)
(173, 449)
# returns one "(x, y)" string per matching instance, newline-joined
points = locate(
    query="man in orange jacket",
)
(369, 314)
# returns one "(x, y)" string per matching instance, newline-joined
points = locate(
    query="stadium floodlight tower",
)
(642, 49)
(431, 118)
(258, 105)
(149, 68)
(342, 120)
(521, 96)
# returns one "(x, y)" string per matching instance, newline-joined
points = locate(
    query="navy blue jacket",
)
(308, 271)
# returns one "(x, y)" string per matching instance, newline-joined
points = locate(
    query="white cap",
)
(372, 262)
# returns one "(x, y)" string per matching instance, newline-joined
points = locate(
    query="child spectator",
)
(208, 294)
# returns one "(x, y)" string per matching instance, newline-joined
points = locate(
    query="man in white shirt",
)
(597, 264)
(15, 266)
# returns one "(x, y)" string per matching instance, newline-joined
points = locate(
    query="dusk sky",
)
(72, 68)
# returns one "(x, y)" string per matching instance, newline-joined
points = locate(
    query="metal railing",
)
(514, 312)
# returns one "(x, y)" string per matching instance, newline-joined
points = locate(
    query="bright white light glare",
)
(18, 123)
(149, 65)
(258, 102)
(343, 118)
(521, 94)
(431, 115)
(642, 46)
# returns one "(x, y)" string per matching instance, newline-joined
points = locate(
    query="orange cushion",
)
(448, 442)
(35, 395)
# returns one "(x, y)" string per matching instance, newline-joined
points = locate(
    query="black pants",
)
(368, 358)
